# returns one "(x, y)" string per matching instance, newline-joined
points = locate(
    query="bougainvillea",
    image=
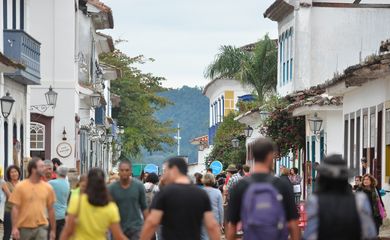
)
(286, 131)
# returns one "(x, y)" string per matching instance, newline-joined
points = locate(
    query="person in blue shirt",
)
(62, 189)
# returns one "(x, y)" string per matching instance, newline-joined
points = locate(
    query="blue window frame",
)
(287, 70)
(291, 71)
(22, 14)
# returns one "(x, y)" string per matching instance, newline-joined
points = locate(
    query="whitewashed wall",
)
(328, 40)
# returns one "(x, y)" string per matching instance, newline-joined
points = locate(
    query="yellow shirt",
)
(33, 200)
(92, 221)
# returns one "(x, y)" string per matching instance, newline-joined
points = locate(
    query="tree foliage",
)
(257, 69)
(286, 131)
(223, 150)
(139, 101)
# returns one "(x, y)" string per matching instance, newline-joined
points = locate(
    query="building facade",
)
(224, 95)
(20, 67)
(75, 129)
(317, 41)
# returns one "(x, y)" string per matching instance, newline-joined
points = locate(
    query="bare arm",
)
(69, 228)
(211, 226)
(293, 228)
(151, 224)
(146, 213)
(117, 232)
(231, 231)
(52, 221)
(15, 216)
(5, 189)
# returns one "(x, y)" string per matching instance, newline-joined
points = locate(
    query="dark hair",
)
(178, 162)
(198, 178)
(209, 170)
(261, 148)
(152, 178)
(125, 162)
(295, 170)
(96, 188)
(8, 172)
(246, 168)
(32, 164)
(360, 178)
(56, 161)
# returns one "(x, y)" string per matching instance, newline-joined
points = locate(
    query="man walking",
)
(48, 173)
(31, 199)
(180, 207)
(129, 194)
(62, 189)
(267, 201)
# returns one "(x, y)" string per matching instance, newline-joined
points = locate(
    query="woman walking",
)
(151, 187)
(369, 188)
(92, 214)
(216, 200)
(296, 180)
(12, 177)
(333, 211)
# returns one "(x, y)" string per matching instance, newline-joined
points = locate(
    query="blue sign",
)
(151, 168)
(216, 167)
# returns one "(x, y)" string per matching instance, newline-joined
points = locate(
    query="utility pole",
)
(178, 138)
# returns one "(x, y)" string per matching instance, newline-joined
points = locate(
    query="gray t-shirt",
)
(216, 203)
(131, 203)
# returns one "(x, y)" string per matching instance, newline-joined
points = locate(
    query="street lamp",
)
(95, 100)
(248, 131)
(235, 143)
(264, 115)
(315, 124)
(51, 97)
(7, 102)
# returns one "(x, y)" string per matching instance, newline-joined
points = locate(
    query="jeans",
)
(7, 225)
(59, 226)
(133, 234)
(39, 233)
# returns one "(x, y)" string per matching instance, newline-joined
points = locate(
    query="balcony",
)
(22, 48)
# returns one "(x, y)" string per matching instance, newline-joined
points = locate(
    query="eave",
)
(306, 110)
(278, 10)
(249, 118)
(9, 66)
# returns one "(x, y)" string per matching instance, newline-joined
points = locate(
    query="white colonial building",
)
(317, 40)
(74, 129)
(20, 68)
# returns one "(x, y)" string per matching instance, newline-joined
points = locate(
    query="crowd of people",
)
(240, 202)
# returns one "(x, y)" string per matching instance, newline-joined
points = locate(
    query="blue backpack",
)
(262, 213)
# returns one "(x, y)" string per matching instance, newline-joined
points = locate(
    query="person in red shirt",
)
(49, 174)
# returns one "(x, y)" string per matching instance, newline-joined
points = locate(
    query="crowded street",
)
(195, 120)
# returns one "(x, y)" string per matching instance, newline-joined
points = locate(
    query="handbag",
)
(382, 210)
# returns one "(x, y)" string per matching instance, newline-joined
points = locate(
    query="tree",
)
(139, 102)
(257, 69)
(223, 150)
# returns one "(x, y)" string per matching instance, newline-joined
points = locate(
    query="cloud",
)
(184, 35)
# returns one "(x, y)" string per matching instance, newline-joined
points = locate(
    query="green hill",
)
(190, 110)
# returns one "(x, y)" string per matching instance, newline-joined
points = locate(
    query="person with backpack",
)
(264, 203)
(334, 212)
(151, 187)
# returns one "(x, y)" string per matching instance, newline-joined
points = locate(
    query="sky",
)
(183, 36)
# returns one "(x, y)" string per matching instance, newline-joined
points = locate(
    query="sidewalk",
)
(384, 232)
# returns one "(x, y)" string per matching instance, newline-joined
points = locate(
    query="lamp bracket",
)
(41, 108)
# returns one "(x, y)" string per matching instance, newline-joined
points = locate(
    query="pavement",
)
(384, 232)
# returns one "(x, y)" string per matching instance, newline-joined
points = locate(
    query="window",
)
(37, 137)
(286, 57)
